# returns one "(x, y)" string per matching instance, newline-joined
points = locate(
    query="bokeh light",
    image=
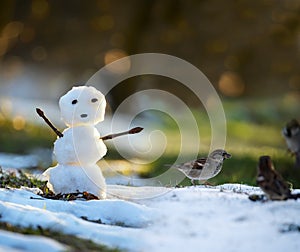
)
(231, 84)
(18, 122)
(113, 55)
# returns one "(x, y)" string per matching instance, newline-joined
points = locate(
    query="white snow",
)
(24, 214)
(18, 161)
(31, 243)
(198, 218)
(108, 211)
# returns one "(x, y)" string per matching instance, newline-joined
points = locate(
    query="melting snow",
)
(218, 218)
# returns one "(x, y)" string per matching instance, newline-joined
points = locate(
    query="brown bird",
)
(291, 133)
(203, 169)
(271, 182)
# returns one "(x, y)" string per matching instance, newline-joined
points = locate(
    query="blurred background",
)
(249, 50)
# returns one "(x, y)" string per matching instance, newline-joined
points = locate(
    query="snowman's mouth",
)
(84, 115)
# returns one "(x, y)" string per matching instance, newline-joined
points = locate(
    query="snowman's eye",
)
(94, 100)
(74, 102)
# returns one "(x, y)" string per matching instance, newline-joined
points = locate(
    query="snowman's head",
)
(82, 105)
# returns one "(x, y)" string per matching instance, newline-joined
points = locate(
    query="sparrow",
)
(291, 133)
(270, 181)
(203, 169)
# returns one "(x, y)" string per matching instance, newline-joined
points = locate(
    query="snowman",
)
(79, 146)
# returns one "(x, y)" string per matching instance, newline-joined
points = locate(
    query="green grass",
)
(25, 139)
(18, 179)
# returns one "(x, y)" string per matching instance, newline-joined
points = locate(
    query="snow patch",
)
(218, 218)
(32, 243)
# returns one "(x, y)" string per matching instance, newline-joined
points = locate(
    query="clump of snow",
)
(79, 101)
(26, 215)
(112, 212)
(71, 178)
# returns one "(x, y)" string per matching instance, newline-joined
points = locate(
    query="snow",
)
(37, 158)
(198, 218)
(222, 221)
(26, 215)
(18, 242)
(70, 178)
(18, 161)
(107, 211)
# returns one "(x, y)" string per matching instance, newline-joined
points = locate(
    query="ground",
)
(220, 218)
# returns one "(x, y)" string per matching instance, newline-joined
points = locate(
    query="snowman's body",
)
(86, 147)
(78, 151)
(72, 178)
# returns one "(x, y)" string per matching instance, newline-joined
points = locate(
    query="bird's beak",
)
(226, 155)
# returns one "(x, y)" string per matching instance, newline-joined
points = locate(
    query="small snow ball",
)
(84, 105)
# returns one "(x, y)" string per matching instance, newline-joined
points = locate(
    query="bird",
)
(271, 182)
(291, 133)
(203, 169)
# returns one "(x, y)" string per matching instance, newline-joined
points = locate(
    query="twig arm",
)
(129, 132)
(41, 114)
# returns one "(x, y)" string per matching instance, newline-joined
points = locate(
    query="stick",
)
(41, 114)
(131, 131)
